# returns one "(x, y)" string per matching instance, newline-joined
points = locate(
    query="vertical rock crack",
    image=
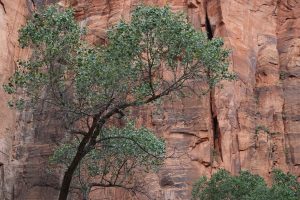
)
(3, 6)
(215, 129)
(209, 30)
(214, 118)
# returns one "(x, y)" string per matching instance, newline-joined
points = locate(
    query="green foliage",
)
(165, 37)
(56, 30)
(262, 128)
(64, 153)
(246, 186)
(130, 65)
(127, 143)
(119, 155)
(154, 55)
(285, 186)
(132, 143)
(54, 38)
(283, 75)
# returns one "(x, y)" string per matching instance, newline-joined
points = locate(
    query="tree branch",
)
(131, 139)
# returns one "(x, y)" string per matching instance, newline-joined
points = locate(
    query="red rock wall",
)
(222, 129)
(12, 15)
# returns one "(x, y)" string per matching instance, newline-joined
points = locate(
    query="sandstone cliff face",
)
(12, 15)
(252, 123)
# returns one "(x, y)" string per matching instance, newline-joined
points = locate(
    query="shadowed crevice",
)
(215, 128)
(2, 5)
(208, 27)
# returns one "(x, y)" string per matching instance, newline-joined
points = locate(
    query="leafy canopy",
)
(158, 53)
(121, 154)
(154, 54)
(246, 186)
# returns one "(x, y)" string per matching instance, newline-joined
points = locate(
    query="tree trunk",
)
(88, 141)
(64, 190)
(65, 186)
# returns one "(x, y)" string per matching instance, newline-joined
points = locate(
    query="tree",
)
(246, 186)
(285, 186)
(155, 55)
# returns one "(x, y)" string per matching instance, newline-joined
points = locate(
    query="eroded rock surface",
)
(252, 123)
(12, 15)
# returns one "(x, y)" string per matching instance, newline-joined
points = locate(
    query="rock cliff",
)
(252, 123)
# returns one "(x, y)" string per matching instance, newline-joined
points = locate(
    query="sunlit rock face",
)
(12, 15)
(252, 123)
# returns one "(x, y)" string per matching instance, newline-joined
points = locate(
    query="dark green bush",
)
(246, 186)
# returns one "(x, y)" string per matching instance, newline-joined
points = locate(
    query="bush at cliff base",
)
(246, 186)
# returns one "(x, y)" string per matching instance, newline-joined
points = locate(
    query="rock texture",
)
(252, 123)
(12, 15)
